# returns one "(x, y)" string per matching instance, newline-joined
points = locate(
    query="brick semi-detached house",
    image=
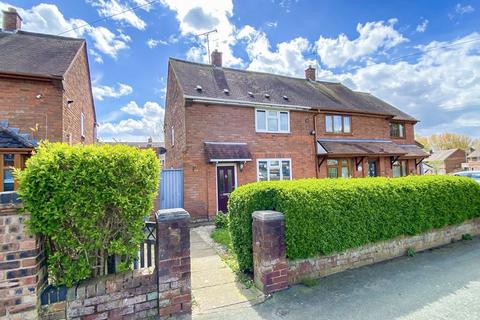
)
(45, 87)
(226, 127)
(45, 94)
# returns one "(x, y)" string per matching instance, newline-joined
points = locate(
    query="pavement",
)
(442, 283)
(214, 285)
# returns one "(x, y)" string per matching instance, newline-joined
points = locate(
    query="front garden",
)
(327, 216)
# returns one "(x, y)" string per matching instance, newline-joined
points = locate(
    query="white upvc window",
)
(274, 169)
(267, 120)
(173, 136)
(82, 125)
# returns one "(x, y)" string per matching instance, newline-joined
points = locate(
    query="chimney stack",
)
(310, 73)
(217, 58)
(12, 21)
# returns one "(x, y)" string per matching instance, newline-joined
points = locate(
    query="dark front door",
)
(225, 185)
(372, 168)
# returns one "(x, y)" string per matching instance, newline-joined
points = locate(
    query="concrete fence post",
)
(22, 267)
(173, 262)
(269, 255)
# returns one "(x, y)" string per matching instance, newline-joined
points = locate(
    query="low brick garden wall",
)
(109, 297)
(163, 290)
(274, 272)
(377, 252)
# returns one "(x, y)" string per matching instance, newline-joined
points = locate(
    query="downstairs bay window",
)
(274, 169)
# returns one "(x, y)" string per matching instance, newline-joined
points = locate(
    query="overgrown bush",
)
(221, 220)
(88, 202)
(323, 216)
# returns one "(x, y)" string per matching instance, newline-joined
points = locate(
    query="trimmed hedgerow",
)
(323, 216)
(88, 202)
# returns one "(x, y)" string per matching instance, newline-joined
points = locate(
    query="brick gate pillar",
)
(22, 267)
(173, 262)
(269, 256)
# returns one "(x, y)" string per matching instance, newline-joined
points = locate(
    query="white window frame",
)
(268, 167)
(278, 121)
(173, 135)
(82, 125)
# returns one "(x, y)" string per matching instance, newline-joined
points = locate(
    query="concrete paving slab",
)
(214, 285)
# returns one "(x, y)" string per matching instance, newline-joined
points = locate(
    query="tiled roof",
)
(37, 54)
(441, 155)
(204, 81)
(358, 147)
(414, 151)
(12, 138)
(224, 151)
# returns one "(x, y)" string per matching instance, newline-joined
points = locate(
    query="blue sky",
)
(421, 56)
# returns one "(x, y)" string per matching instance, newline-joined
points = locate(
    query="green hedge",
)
(323, 216)
(88, 202)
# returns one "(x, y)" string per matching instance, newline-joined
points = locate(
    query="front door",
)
(372, 168)
(225, 185)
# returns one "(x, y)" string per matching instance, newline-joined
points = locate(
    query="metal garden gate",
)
(171, 188)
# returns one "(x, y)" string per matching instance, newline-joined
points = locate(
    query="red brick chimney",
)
(217, 58)
(11, 20)
(310, 73)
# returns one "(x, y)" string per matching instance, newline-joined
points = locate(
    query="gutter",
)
(21, 75)
(244, 103)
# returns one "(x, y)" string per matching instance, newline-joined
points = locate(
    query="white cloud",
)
(119, 11)
(464, 8)
(152, 43)
(147, 122)
(288, 58)
(198, 16)
(47, 18)
(373, 36)
(272, 24)
(422, 27)
(101, 92)
(107, 42)
(96, 57)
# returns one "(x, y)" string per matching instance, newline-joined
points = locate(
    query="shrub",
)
(221, 220)
(323, 216)
(411, 252)
(88, 202)
(467, 236)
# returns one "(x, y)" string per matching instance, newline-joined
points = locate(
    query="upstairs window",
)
(335, 123)
(397, 130)
(272, 121)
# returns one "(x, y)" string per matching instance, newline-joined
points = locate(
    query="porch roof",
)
(359, 147)
(227, 152)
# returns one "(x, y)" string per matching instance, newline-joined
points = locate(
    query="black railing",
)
(147, 250)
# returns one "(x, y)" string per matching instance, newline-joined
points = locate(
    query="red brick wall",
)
(20, 106)
(77, 88)
(174, 116)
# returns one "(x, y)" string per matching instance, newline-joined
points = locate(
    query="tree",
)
(444, 141)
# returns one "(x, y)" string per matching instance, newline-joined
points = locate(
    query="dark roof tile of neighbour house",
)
(359, 147)
(28, 53)
(204, 81)
(11, 138)
(227, 151)
(441, 155)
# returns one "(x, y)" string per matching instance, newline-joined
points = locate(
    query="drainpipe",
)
(315, 141)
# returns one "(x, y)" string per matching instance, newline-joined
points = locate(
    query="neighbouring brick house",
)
(45, 87)
(227, 127)
(473, 161)
(446, 161)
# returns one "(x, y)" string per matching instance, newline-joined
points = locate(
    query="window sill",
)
(274, 132)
